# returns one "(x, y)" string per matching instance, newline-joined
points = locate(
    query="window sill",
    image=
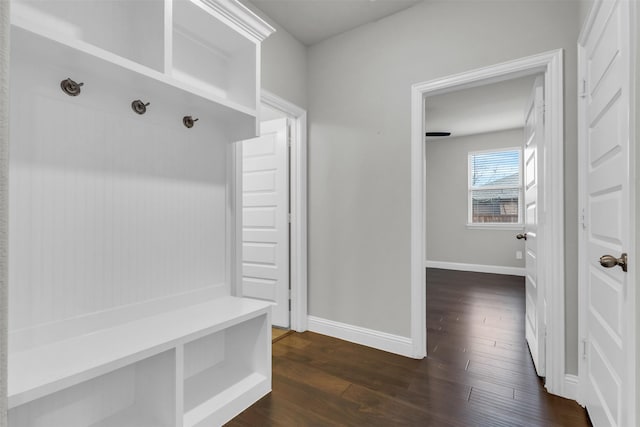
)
(488, 226)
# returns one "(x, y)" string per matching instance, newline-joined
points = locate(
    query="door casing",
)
(298, 203)
(550, 64)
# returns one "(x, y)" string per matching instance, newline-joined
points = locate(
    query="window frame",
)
(495, 225)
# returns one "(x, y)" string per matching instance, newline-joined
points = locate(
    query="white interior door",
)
(535, 303)
(265, 218)
(607, 307)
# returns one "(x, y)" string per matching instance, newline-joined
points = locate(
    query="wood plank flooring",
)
(279, 333)
(478, 373)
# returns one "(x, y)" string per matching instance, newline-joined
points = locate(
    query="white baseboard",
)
(570, 387)
(356, 334)
(478, 268)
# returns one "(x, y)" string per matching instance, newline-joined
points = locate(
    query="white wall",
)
(359, 154)
(284, 63)
(583, 10)
(108, 208)
(284, 67)
(448, 237)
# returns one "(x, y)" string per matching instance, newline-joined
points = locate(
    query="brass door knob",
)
(521, 236)
(609, 261)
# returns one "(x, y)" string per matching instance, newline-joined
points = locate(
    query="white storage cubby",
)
(221, 368)
(141, 394)
(196, 366)
(120, 255)
(210, 54)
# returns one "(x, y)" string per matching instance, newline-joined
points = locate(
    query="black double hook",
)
(139, 106)
(70, 87)
(189, 121)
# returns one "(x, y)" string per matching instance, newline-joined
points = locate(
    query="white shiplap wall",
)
(4, 187)
(108, 208)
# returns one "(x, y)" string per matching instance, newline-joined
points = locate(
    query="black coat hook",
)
(139, 106)
(188, 121)
(70, 87)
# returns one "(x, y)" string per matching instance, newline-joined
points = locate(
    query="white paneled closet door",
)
(607, 286)
(265, 216)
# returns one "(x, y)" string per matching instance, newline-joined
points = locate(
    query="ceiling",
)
(482, 109)
(311, 21)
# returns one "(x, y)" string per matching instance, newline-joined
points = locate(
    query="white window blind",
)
(495, 187)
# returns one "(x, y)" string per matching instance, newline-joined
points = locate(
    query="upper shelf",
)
(130, 29)
(83, 61)
(202, 52)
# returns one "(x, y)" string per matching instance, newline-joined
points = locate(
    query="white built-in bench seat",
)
(212, 343)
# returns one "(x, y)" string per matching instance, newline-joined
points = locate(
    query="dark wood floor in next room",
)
(478, 373)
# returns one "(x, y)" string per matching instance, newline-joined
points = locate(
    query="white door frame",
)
(4, 204)
(298, 201)
(552, 249)
(631, 333)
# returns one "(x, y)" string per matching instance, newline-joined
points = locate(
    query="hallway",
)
(478, 372)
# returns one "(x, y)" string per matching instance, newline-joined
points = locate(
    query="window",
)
(495, 187)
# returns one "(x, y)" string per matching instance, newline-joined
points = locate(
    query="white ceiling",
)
(311, 21)
(481, 109)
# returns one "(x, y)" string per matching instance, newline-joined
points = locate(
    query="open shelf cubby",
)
(130, 29)
(223, 368)
(137, 395)
(209, 54)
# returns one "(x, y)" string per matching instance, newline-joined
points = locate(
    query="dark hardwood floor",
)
(478, 373)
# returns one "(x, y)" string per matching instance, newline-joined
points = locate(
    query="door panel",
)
(265, 224)
(604, 295)
(534, 296)
(606, 202)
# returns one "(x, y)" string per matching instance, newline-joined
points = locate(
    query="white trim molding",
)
(298, 195)
(241, 17)
(478, 268)
(379, 340)
(570, 387)
(4, 204)
(491, 226)
(551, 65)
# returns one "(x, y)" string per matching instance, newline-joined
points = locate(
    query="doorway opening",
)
(474, 177)
(481, 187)
(551, 246)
